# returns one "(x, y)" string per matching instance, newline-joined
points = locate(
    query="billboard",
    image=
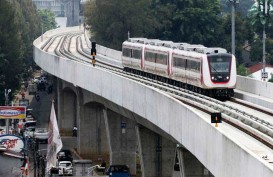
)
(12, 142)
(12, 112)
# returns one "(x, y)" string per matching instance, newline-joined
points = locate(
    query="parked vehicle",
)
(118, 171)
(31, 123)
(65, 155)
(65, 168)
(29, 111)
(29, 118)
(41, 134)
(29, 132)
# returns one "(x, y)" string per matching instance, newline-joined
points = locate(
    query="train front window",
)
(219, 66)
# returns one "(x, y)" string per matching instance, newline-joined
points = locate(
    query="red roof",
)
(257, 67)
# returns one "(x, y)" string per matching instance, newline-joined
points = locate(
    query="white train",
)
(210, 71)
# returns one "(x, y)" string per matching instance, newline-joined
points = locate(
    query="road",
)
(41, 111)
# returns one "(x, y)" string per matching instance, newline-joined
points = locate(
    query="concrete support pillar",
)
(69, 112)
(60, 104)
(92, 132)
(122, 136)
(189, 165)
(157, 154)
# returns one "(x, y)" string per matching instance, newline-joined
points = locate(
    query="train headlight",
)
(227, 78)
(212, 78)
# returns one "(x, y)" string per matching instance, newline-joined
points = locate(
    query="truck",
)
(32, 89)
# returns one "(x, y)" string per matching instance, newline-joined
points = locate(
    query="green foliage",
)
(242, 8)
(10, 48)
(242, 70)
(191, 21)
(47, 18)
(19, 26)
(196, 21)
(112, 19)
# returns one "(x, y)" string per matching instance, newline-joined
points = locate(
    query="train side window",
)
(194, 66)
(126, 52)
(149, 56)
(136, 54)
(179, 62)
(161, 59)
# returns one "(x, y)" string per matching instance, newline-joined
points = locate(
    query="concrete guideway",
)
(182, 123)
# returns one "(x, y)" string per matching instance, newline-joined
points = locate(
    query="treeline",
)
(20, 25)
(192, 21)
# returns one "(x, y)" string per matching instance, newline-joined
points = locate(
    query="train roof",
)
(138, 40)
(180, 46)
(209, 50)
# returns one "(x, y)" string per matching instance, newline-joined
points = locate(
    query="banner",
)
(54, 140)
(12, 112)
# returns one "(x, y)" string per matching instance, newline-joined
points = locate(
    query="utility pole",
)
(6, 104)
(264, 38)
(233, 5)
(42, 32)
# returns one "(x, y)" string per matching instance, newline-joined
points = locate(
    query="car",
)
(29, 118)
(65, 168)
(41, 134)
(29, 132)
(64, 155)
(118, 171)
(29, 111)
(30, 123)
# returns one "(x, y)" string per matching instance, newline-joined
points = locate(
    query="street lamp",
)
(233, 5)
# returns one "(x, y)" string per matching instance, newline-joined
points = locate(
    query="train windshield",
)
(219, 63)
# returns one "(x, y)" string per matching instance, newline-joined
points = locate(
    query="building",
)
(256, 71)
(56, 6)
(62, 8)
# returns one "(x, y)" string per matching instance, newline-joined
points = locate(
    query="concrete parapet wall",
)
(221, 155)
(255, 86)
(109, 52)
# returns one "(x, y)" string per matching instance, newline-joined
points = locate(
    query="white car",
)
(65, 168)
(41, 134)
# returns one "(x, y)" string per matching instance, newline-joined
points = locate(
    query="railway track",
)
(251, 124)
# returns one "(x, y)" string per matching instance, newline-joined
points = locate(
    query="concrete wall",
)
(254, 86)
(212, 147)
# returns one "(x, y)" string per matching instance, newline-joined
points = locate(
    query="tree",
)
(10, 48)
(197, 22)
(30, 29)
(242, 70)
(47, 18)
(260, 20)
(242, 8)
(111, 20)
(19, 26)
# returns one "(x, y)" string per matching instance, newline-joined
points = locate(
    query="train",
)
(210, 71)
